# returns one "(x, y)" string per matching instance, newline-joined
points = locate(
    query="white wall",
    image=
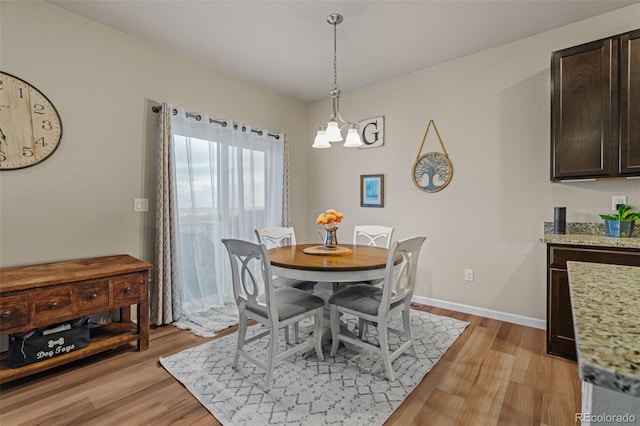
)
(79, 202)
(492, 110)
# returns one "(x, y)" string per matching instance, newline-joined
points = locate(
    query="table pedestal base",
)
(325, 290)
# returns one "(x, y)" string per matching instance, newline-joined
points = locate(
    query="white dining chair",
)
(373, 235)
(274, 308)
(276, 236)
(377, 305)
(279, 237)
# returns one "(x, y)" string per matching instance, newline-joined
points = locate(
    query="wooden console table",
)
(35, 296)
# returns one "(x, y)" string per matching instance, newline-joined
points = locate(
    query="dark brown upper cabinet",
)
(595, 109)
(630, 103)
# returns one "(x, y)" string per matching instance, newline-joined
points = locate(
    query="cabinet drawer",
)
(14, 313)
(126, 289)
(91, 296)
(52, 305)
(558, 256)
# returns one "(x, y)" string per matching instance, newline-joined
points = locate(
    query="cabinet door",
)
(560, 335)
(584, 106)
(630, 103)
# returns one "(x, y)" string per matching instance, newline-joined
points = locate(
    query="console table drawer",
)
(91, 296)
(13, 312)
(127, 289)
(52, 305)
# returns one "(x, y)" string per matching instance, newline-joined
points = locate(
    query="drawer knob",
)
(53, 305)
(127, 290)
(93, 296)
(6, 314)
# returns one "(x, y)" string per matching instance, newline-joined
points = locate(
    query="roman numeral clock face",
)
(30, 126)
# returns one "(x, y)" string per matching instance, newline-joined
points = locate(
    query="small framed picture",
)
(371, 190)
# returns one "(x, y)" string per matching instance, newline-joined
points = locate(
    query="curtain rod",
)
(198, 117)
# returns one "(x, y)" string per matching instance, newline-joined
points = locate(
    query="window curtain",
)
(229, 180)
(166, 288)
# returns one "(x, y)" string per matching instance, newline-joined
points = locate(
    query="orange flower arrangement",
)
(330, 219)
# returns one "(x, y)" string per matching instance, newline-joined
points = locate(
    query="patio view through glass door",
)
(226, 188)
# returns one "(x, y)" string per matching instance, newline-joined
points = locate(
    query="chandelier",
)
(331, 131)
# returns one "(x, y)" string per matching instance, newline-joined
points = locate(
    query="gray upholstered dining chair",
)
(279, 237)
(373, 235)
(274, 308)
(377, 305)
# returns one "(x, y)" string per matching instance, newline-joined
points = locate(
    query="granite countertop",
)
(588, 234)
(605, 300)
(591, 240)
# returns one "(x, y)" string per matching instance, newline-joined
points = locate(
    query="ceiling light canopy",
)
(332, 130)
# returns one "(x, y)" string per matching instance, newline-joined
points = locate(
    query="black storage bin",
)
(38, 345)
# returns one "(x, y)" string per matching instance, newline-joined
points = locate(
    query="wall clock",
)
(30, 126)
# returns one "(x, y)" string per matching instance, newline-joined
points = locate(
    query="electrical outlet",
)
(468, 275)
(617, 200)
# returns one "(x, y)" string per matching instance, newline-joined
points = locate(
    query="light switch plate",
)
(141, 205)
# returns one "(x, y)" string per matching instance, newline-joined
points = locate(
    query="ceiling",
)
(287, 46)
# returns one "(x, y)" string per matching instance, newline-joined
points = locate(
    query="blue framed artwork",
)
(371, 190)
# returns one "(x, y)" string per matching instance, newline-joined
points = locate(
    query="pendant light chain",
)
(335, 57)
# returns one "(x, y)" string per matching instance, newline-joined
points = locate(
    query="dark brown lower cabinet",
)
(560, 335)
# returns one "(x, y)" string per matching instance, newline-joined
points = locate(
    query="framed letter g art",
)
(371, 190)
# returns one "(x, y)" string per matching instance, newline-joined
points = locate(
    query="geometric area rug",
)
(348, 389)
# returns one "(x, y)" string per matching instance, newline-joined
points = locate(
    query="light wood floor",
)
(496, 373)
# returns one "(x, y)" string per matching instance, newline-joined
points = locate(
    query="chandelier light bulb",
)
(321, 140)
(353, 139)
(333, 132)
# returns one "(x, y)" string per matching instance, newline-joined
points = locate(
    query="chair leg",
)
(286, 335)
(295, 333)
(362, 327)
(335, 328)
(242, 333)
(383, 339)
(407, 330)
(317, 331)
(271, 357)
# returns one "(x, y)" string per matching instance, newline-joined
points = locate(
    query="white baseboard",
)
(482, 312)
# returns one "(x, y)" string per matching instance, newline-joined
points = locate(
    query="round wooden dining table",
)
(330, 271)
(364, 264)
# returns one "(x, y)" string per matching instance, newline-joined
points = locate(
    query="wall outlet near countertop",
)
(616, 200)
(468, 275)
